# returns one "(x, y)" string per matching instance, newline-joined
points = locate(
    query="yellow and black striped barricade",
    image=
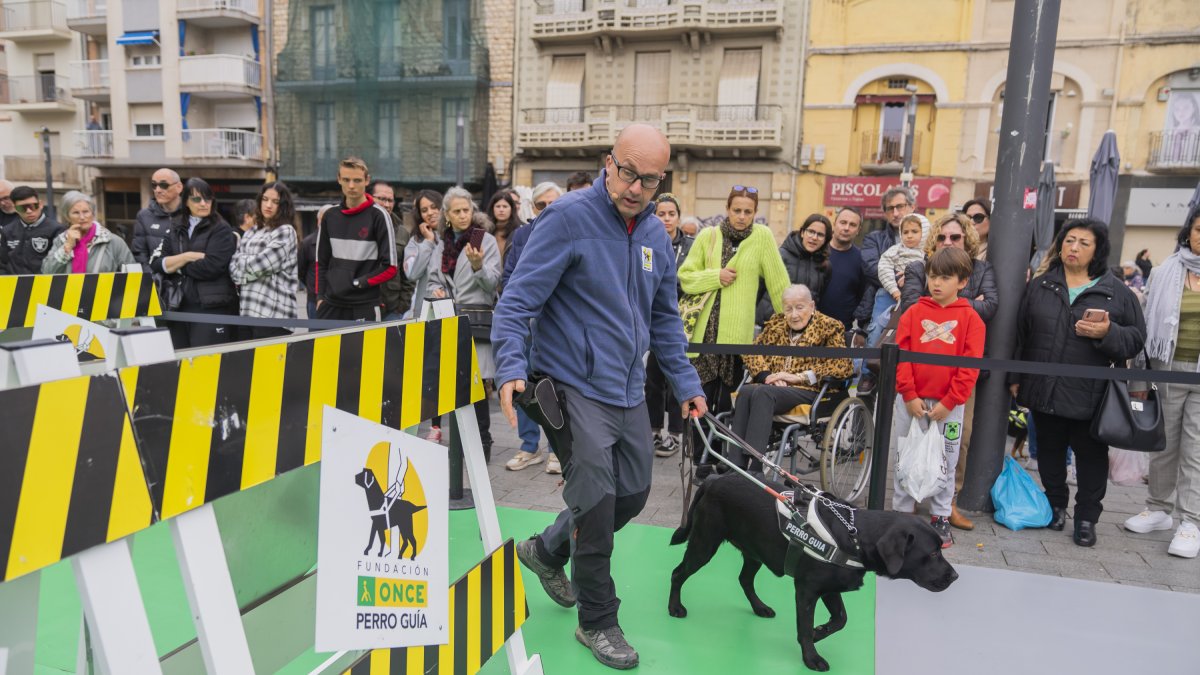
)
(92, 297)
(487, 605)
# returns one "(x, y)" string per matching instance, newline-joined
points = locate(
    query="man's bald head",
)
(641, 152)
(6, 205)
(168, 197)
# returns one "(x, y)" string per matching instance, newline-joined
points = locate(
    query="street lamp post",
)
(911, 124)
(49, 168)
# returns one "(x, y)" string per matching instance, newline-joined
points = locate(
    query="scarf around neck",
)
(1163, 300)
(731, 239)
(80, 260)
(453, 244)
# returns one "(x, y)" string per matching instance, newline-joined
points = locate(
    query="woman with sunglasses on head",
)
(729, 261)
(85, 246)
(980, 215)
(264, 266)
(194, 261)
(805, 254)
(956, 231)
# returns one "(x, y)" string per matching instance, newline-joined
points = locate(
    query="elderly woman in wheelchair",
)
(786, 398)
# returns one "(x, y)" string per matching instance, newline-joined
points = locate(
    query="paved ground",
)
(1119, 556)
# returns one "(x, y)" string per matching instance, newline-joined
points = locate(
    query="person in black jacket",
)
(194, 264)
(805, 254)
(24, 242)
(660, 400)
(1052, 328)
(306, 268)
(153, 223)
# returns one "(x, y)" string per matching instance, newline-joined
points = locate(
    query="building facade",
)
(404, 85)
(39, 50)
(170, 83)
(721, 78)
(1128, 65)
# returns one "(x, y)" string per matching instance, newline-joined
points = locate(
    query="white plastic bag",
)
(1126, 467)
(921, 470)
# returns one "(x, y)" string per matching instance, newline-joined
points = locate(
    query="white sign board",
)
(1157, 206)
(92, 341)
(383, 539)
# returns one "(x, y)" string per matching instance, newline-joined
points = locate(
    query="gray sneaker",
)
(609, 646)
(553, 579)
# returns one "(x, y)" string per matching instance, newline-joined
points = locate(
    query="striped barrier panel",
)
(487, 605)
(93, 297)
(70, 477)
(212, 425)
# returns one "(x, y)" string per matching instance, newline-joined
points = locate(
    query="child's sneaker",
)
(1149, 521)
(942, 525)
(1186, 543)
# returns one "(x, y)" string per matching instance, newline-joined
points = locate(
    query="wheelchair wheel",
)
(846, 450)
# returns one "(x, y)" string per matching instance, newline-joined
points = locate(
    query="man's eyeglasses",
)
(541, 206)
(29, 208)
(952, 237)
(629, 175)
(977, 218)
(814, 232)
(161, 185)
(743, 188)
(197, 199)
(897, 207)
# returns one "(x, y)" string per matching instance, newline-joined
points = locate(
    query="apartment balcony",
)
(35, 21)
(430, 66)
(94, 145)
(89, 17)
(32, 169)
(89, 80)
(1174, 151)
(220, 76)
(234, 147)
(708, 130)
(43, 93)
(574, 20)
(219, 13)
(883, 153)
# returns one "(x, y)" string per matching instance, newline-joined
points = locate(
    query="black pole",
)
(49, 170)
(460, 497)
(1022, 130)
(885, 402)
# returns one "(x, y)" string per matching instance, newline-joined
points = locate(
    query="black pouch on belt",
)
(544, 404)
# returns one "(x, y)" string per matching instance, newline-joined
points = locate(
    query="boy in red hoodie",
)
(941, 323)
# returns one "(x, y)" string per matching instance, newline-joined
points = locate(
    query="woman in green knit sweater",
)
(730, 259)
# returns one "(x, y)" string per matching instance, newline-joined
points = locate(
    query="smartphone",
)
(1095, 315)
(476, 240)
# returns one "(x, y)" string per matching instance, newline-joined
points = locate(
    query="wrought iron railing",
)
(1177, 149)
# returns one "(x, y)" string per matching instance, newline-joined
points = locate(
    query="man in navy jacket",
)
(598, 275)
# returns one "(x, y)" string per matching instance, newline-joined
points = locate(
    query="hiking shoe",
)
(553, 579)
(609, 646)
(1186, 543)
(666, 445)
(523, 459)
(434, 435)
(552, 465)
(1149, 521)
(942, 525)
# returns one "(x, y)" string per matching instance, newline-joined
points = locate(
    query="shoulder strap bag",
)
(1130, 423)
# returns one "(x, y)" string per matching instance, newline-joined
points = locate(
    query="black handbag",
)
(1130, 423)
(480, 317)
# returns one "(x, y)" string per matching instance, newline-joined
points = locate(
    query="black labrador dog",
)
(400, 513)
(731, 508)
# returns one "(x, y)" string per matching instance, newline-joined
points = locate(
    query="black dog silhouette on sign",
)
(387, 512)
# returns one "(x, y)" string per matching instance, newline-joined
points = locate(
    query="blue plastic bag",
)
(1019, 502)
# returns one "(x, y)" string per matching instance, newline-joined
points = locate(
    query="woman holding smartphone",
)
(1077, 313)
(465, 266)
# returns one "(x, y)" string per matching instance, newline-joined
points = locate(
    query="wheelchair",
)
(833, 436)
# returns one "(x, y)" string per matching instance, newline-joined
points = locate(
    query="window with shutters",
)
(737, 92)
(564, 90)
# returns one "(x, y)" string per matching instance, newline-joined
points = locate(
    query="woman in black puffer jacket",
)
(805, 254)
(1051, 329)
(194, 262)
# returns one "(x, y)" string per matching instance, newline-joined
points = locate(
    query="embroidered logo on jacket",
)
(40, 244)
(939, 331)
(647, 258)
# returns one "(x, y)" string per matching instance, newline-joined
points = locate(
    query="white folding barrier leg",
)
(210, 593)
(112, 604)
(18, 623)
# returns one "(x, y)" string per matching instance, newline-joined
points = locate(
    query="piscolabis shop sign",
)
(382, 550)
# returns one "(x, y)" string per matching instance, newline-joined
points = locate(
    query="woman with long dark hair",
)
(805, 254)
(194, 261)
(1077, 313)
(264, 265)
(426, 218)
(502, 210)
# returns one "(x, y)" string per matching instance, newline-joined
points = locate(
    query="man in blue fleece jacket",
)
(598, 275)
